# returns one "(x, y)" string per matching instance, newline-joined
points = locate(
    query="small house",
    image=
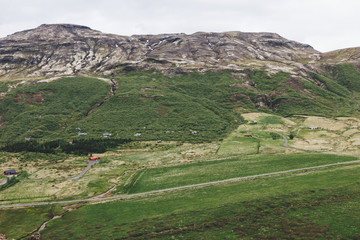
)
(106, 134)
(313, 128)
(248, 135)
(194, 132)
(137, 134)
(94, 158)
(11, 172)
(253, 122)
(82, 134)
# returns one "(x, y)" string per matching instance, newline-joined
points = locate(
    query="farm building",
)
(94, 158)
(11, 172)
(106, 134)
(248, 135)
(313, 128)
(28, 138)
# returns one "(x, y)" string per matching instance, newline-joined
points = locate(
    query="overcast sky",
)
(324, 24)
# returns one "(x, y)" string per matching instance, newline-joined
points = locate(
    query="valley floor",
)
(183, 191)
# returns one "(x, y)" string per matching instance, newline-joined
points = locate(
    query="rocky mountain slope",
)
(197, 89)
(64, 49)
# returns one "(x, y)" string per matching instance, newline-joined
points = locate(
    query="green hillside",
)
(189, 107)
(44, 110)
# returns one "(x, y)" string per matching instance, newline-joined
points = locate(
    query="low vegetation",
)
(150, 106)
(44, 110)
(186, 174)
(226, 211)
(18, 223)
(77, 146)
(155, 132)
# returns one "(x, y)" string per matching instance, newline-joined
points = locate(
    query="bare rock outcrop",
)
(65, 49)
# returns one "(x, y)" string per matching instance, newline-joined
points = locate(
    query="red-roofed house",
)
(95, 158)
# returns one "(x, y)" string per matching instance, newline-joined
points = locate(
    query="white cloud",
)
(325, 24)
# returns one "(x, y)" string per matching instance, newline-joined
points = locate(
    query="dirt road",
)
(61, 179)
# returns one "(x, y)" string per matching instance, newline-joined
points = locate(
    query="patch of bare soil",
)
(2, 123)
(30, 98)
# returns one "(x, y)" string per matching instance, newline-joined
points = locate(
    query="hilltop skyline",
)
(324, 25)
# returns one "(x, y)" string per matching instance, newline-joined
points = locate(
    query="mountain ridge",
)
(65, 49)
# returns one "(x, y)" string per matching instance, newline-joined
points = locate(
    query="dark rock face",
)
(65, 49)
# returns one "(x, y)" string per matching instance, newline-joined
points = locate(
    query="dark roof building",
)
(10, 172)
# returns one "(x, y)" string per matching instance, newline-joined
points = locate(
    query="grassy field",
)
(239, 145)
(257, 208)
(186, 174)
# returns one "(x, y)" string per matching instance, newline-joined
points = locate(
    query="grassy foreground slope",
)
(17, 223)
(254, 209)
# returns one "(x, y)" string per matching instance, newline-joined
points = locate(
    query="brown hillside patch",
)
(161, 110)
(289, 100)
(2, 123)
(293, 83)
(151, 97)
(38, 97)
(247, 85)
(30, 98)
(143, 89)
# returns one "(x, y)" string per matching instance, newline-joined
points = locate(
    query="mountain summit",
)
(66, 49)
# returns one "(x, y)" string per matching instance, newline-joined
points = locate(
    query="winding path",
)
(2, 182)
(175, 188)
(62, 179)
(286, 144)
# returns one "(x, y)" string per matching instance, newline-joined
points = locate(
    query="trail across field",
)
(176, 188)
(2, 182)
(70, 178)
